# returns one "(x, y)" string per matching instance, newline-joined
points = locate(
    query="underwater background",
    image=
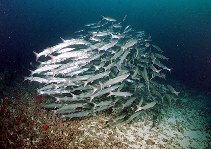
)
(181, 28)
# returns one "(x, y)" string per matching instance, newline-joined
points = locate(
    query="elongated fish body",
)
(104, 91)
(145, 76)
(157, 48)
(109, 19)
(37, 79)
(117, 55)
(147, 106)
(126, 28)
(115, 80)
(161, 56)
(53, 92)
(57, 80)
(68, 70)
(128, 103)
(123, 57)
(98, 76)
(108, 46)
(129, 44)
(64, 50)
(74, 64)
(172, 90)
(76, 72)
(90, 24)
(45, 52)
(117, 36)
(68, 55)
(101, 34)
(49, 87)
(154, 69)
(68, 107)
(122, 94)
(45, 68)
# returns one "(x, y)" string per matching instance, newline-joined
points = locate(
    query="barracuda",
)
(114, 80)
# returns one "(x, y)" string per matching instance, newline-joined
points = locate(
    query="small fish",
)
(117, 25)
(100, 34)
(157, 48)
(129, 44)
(37, 79)
(114, 80)
(79, 31)
(123, 94)
(128, 103)
(161, 56)
(108, 46)
(147, 106)
(95, 77)
(76, 72)
(108, 19)
(123, 57)
(117, 36)
(153, 58)
(64, 50)
(45, 68)
(104, 91)
(117, 55)
(145, 76)
(172, 90)
(155, 69)
(90, 24)
(136, 72)
(124, 18)
(126, 28)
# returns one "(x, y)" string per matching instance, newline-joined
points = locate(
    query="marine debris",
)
(106, 66)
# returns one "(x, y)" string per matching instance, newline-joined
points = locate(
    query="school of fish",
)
(104, 66)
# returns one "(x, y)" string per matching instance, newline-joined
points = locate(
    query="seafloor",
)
(186, 125)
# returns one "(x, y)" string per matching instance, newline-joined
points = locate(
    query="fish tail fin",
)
(54, 72)
(101, 85)
(94, 89)
(31, 72)
(26, 78)
(96, 68)
(109, 94)
(85, 83)
(170, 70)
(73, 96)
(37, 56)
(177, 93)
(91, 98)
(62, 39)
(52, 58)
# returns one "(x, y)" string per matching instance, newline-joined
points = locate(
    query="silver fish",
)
(123, 94)
(108, 46)
(173, 90)
(95, 77)
(147, 106)
(129, 44)
(108, 19)
(114, 80)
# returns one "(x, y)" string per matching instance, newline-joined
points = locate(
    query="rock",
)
(150, 142)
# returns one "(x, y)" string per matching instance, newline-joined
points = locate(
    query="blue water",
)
(181, 28)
